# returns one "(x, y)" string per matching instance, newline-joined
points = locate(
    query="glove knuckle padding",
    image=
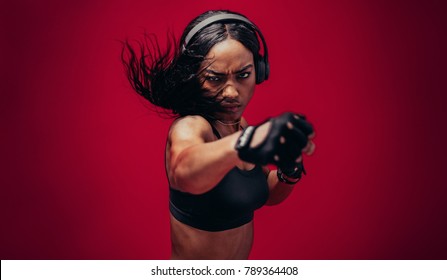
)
(273, 149)
(294, 171)
(304, 126)
(266, 150)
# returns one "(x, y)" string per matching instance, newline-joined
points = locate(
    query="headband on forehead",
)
(262, 66)
(213, 19)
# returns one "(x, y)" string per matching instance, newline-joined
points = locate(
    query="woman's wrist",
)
(285, 179)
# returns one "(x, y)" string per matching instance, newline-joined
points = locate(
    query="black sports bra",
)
(230, 204)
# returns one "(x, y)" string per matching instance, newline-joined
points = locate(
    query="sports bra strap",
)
(215, 132)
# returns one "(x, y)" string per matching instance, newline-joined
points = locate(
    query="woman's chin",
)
(229, 117)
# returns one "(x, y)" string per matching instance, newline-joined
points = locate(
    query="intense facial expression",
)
(229, 71)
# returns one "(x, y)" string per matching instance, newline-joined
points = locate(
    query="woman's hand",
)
(279, 141)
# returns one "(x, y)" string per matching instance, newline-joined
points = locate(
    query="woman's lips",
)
(230, 107)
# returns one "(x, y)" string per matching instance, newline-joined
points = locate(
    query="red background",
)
(82, 157)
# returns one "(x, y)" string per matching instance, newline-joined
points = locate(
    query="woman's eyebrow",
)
(244, 68)
(214, 72)
(223, 74)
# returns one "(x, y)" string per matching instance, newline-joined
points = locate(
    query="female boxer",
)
(215, 161)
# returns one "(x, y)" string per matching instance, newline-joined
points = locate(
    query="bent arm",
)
(278, 191)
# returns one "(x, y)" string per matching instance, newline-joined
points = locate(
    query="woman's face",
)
(229, 71)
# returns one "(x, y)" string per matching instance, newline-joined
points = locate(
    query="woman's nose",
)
(230, 91)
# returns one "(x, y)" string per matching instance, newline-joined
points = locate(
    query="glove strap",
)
(281, 178)
(243, 142)
(295, 173)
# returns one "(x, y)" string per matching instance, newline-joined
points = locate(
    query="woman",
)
(216, 163)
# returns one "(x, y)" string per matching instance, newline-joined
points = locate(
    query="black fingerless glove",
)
(287, 136)
(291, 173)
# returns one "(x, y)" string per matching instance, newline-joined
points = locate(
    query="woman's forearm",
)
(279, 191)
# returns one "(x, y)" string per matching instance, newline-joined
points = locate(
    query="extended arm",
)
(195, 163)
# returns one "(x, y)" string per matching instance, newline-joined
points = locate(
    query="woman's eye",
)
(212, 78)
(244, 75)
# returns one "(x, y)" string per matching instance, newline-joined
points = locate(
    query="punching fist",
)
(287, 137)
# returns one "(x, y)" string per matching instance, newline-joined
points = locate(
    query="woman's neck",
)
(225, 123)
(225, 127)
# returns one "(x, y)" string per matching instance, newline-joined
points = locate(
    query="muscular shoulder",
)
(190, 128)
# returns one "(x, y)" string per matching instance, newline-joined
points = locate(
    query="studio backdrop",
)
(82, 156)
